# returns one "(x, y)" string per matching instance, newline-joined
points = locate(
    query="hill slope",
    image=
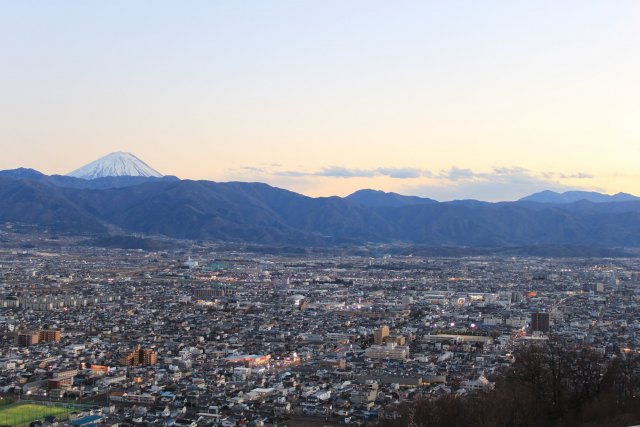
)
(376, 198)
(259, 213)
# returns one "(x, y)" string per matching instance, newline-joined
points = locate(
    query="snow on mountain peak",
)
(115, 164)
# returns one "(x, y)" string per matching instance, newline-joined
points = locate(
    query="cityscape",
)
(280, 213)
(204, 336)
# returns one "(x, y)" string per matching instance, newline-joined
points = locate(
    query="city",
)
(200, 336)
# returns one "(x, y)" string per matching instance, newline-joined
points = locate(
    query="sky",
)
(491, 100)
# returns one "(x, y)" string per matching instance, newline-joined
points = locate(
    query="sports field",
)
(23, 413)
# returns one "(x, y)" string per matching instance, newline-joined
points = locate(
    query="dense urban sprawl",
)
(204, 336)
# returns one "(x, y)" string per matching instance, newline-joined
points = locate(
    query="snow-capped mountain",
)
(115, 164)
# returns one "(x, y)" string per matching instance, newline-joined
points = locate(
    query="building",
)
(398, 339)
(381, 333)
(540, 322)
(46, 335)
(388, 351)
(139, 356)
(365, 396)
(58, 383)
(148, 357)
(212, 292)
(26, 339)
(250, 360)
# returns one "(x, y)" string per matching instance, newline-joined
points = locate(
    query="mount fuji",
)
(115, 164)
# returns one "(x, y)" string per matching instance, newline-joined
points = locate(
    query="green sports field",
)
(23, 413)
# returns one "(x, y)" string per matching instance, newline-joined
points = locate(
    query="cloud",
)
(492, 184)
(579, 175)
(343, 172)
(457, 174)
(290, 173)
(404, 173)
(513, 174)
(497, 184)
(251, 169)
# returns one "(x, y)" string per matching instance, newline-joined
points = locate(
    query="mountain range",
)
(577, 196)
(259, 213)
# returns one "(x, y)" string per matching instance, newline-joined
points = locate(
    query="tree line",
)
(547, 385)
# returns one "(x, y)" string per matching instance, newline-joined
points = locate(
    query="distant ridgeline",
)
(260, 214)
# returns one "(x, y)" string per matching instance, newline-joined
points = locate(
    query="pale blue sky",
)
(545, 92)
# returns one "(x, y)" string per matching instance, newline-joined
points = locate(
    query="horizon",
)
(491, 101)
(128, 153)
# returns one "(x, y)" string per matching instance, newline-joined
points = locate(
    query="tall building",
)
(381, 333)
(26, 339)
(45, 335)
(148, 357)
(516, 297)
(540, 322)
(139, 356)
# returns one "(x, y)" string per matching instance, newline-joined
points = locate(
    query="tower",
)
(381, 333)
(540, 322)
